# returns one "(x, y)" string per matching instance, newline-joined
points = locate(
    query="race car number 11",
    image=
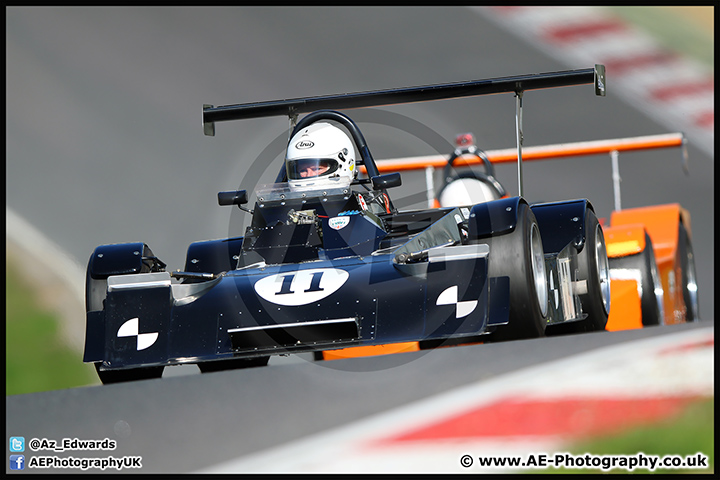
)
(301, 287)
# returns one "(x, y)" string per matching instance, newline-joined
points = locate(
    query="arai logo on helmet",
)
(302, 144)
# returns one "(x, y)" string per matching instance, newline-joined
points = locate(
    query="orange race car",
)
(650, 251)
(651, 263)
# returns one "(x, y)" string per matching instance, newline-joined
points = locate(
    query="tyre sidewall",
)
(644, 262)
(511, 255)
(687, 262)
(592, 302)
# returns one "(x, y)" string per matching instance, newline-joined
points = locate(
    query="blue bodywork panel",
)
(561, 223)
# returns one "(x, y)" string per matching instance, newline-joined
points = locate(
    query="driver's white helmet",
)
(320, 155)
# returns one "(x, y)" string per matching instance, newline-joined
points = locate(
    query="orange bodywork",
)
(625, 307)
(624, 240)
(370, 350)
(625, 302)
(662, 223)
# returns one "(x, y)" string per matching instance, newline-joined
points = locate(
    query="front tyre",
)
(643, 268)
(519, 255)
(687, 275)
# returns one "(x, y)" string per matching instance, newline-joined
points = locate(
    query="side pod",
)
(106, 261)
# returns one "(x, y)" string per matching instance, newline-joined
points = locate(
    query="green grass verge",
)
(676, 32)
(685, 435)
(36, 358)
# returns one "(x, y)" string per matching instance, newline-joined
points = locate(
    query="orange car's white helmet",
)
(467, 191)
(320, 155)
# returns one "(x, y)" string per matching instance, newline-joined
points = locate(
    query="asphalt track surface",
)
(105, 145)
(190, 423)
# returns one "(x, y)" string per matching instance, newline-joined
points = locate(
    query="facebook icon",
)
(17, 462)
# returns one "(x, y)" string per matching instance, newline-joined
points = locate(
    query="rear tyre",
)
(687, 276)
(642, 266)
(593, 268)
(130, 375)
(232, 364)
(520, 256)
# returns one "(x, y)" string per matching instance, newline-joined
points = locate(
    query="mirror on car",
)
(238, 198)
(388, 180)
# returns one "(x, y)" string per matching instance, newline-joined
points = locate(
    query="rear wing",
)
(613, 147)
(377, 98)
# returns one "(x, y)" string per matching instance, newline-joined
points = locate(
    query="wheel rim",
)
(538, 269)
(603, 268)
(691, 285)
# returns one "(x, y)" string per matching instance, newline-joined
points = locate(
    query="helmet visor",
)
(310, 168)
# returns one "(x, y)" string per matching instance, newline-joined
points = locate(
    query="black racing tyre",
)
(643, 266)
(232, 364)
(688, 280)
(520, 256)
(593, 267)
(129, 375)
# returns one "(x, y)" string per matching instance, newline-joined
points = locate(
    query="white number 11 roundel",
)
(301, 287)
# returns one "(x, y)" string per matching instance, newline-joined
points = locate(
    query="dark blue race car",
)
(328, 262)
